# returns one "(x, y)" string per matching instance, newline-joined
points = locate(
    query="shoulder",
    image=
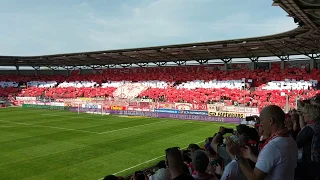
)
(232, 165)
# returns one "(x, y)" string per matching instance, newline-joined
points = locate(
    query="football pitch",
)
(37, 144)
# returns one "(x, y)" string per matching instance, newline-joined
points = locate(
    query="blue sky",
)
(39, 27)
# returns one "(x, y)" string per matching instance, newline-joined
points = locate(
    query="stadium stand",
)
(252, 88)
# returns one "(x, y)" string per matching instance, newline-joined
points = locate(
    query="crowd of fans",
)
(278, 147)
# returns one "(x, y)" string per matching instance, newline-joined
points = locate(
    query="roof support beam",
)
(126, 65)
(218, 54)
(203, 61)
(160, 64)
(166, 55)
(280, 54)
(180, 63)
(190, 54)
(247, 53)
(142, 64)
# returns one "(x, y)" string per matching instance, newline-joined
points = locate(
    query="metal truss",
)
(190, 54)
(218, 54)
(247, 52)
(142, 64)
(180, 63)
(128, 57)
(126, 65)
(160, 64)
(53, 67)
(165, 55)
(144, 56)
(202, 61)
(312, 54)
(280, 54)
(37, 68)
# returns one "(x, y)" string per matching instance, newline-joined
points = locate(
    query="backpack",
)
(315, 144)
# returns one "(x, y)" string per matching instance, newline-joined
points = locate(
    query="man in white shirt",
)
(233, 171)
(278, 158)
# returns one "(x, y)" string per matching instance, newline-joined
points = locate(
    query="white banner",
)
(57, 104)
(183, 106)
(91, 106)
(26, 98)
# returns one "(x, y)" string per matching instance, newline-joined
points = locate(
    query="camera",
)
(229, 130)
(251, 118)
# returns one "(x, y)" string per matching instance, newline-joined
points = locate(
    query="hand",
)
(257, 118)
(233, 148)
(218, 169)
(246, 152)
(222, 130)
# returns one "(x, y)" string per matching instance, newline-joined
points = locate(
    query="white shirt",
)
(279, 159)
(233, 171)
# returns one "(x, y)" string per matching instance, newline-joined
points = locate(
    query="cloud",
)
(100, 25)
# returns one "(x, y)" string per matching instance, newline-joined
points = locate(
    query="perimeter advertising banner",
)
(168, 115)
(227, 114)
(203, 113)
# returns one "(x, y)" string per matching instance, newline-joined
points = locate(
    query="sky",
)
(42, 27)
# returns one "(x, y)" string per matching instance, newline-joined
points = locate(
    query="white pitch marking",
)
(78, 130)
(52, 127)
(144, 162)
(132, 127)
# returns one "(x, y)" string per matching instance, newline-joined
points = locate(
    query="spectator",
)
(278, 158)
(162, 173)
(175, 164)
(309, 152)
(200, 161)
(186, 154)
(139, 175)
(315, 100)
(250, 138)
(193, 147)
(221, 148)
(215, 162)
(112, 177)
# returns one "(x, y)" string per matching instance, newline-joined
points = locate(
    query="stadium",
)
(116, 111)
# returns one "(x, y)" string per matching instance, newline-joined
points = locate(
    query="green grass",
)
(38, 144)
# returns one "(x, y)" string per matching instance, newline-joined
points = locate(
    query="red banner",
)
(199, 106)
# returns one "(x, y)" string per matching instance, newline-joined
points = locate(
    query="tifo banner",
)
(44, 107)
(203, 113)
(174, 111)
(26, 98)
(168, 115)
(215, 107)
(227, 114)
(165, 105)
(183, 106)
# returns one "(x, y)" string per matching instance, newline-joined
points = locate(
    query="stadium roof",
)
(304, 40)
